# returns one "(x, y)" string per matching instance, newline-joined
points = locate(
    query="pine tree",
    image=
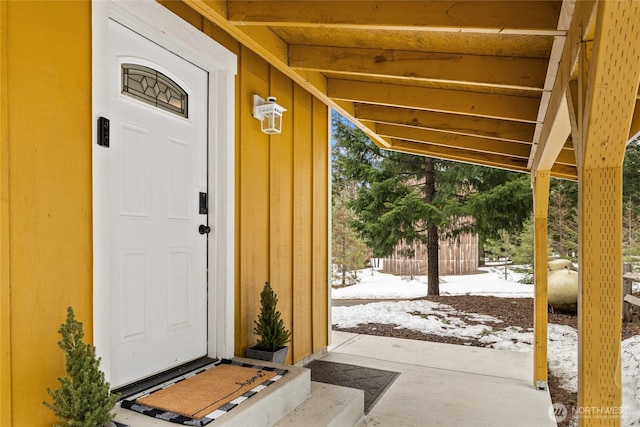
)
(396, 199)
(83, 399)
(403, 198)
(485, 201)
(524, 252)
(269, 326)
(563, 218)
(348, 250)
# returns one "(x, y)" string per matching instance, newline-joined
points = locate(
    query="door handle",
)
(204, 229)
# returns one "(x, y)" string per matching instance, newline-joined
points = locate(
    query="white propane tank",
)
(563, 290)
(559, 264)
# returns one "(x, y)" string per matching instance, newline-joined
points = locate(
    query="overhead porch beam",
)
(460, 155)
(556, 134)
(444, 139)
(454, 123)
(498, 71)
(484, 159)
(564, 171)
(555, 122)
(516, 108)
(522, 17)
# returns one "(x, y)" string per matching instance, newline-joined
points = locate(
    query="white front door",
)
(157, 168)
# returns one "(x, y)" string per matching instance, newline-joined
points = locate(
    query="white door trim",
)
(155, 22)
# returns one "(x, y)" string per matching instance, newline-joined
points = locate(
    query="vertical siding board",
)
(302, 216)
(50, 192)
(5, 295)
(320, 290)
(281, 201)
(254, 198)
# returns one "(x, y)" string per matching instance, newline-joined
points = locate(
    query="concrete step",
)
(262, 410)
(328, 405)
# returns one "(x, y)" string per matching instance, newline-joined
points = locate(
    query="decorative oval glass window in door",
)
(153, 87)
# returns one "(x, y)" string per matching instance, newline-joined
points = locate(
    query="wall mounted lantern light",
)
(269, 113)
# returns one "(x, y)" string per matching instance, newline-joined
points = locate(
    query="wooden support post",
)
(609, 70)
(540, 315)
(627, 308)
(600, 297)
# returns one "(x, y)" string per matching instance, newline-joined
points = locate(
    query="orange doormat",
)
(200, 395)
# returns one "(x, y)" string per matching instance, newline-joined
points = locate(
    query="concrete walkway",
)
(446, 385)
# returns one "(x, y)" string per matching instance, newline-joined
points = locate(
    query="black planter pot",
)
(278, 356)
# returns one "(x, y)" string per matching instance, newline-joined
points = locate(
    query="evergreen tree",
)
(630, 174)
(524, 250)
(83, 399)
(485, 201)
(630, 229)
(501, 249)
(631, 196)
(396, 200)
(273, 335)
(348, 250)
(407, 198)
(563, 218)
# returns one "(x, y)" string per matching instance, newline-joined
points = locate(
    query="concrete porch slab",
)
(447, 385)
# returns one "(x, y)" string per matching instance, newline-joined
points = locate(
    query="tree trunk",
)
(344, 267)
(433, 275)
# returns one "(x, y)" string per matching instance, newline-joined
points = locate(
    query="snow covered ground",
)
(490, 281)
(439, 319)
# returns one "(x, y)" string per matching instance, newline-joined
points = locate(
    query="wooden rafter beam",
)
(559, 129)
(521, 17)
(452, 140)
(469, 103)
(464, 125)
(485, 159)
(566, 157)
(580, 21)
(565, 172)
(460, 155)
(500, 71)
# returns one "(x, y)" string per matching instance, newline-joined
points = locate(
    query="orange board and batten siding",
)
(46, 204)
(46, 214)
(283, 218)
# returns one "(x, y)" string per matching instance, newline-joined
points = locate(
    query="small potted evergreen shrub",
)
(270, 329)
(83, 399)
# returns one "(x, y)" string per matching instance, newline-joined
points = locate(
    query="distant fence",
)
(628, 300)
(455, 257)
